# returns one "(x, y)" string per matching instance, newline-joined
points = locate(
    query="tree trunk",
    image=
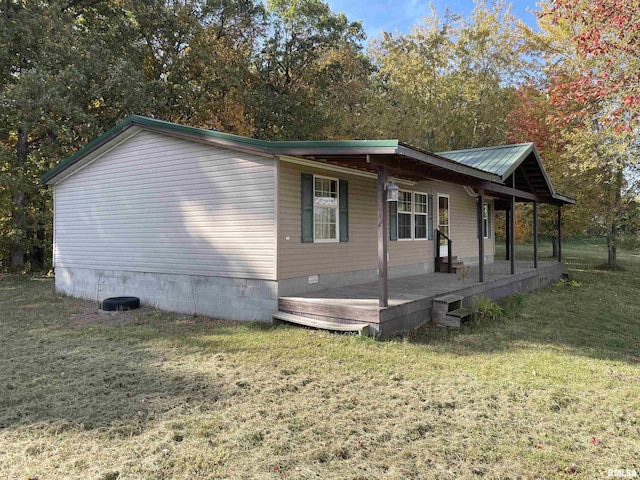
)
(554, 243)
(612, 236)
(22, 150)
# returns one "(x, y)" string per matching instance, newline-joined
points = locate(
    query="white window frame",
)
(337, 208)
(413, 218)
(437, 212)
(425, 215)
(398, 213)
(486, 220)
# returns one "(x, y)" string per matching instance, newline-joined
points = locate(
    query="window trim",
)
(425, 215)
(486, 219)
(413, 219)
(337, 209)
(439, 196)
(398, 213)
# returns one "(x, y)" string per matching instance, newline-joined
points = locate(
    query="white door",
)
(443, 222)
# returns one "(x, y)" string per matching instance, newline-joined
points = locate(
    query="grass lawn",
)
(148, 394)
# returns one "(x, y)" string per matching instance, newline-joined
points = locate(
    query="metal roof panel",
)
(497, 160)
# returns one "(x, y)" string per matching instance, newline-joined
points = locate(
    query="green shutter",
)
(307, 208)
(344, 211)
(430, 216)
(393, 220)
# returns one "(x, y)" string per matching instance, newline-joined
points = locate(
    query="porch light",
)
(392, 192)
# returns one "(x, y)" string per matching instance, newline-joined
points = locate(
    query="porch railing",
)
(439, 236)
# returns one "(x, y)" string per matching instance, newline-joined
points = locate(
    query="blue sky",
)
(401, 15)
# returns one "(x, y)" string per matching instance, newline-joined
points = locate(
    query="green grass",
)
(149, 394)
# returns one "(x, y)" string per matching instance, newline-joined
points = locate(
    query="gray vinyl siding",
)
(163, 205)
(297, 259)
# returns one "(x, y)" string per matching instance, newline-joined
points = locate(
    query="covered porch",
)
(498, 176)
(410, 298)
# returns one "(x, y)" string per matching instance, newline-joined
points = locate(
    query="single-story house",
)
(205, 222)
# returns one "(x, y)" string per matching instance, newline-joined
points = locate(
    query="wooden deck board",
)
(411, 297)
(415, 287)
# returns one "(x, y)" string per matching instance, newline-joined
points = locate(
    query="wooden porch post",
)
(507, 234)
(481, 234)
(535, 234)
(512, 239)
(560, 234)
(383, 214)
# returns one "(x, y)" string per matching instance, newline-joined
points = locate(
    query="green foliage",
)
(71, 70)
(294, 69)
(512, 305)
(311, 68)
(485, 309)
(591, 57)
(449, 83)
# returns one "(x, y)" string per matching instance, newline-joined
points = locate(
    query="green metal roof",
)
(493, 163)
(265, 146)
(500, 160)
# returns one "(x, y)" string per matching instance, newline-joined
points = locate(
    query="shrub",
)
(485, 309)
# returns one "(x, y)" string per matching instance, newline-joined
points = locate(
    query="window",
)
(411, 217)
(443, 215)
(486, 221)
(405, 210)
(420, 212)
(325, 209)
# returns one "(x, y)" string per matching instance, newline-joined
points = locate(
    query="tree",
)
(449, 83)
(68, 71)
(594, 72)
(310, 68)
(213, 81)
(71, 69)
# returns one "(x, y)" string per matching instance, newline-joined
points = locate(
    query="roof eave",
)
(514, 166)
(563, 200)
(341, 147)
(442, 162)
(92, 146)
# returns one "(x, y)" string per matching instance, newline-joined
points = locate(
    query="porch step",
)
(448, 311)
(448, 321)
(461, 313)
(456, 265)
(284, 317)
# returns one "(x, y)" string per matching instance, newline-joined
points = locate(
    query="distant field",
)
(551, 390)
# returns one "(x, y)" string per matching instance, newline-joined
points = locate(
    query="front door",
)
(443, 222)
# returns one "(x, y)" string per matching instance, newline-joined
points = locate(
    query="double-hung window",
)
(410, 216)
(420, 213)
(405, 214)
(325, 209)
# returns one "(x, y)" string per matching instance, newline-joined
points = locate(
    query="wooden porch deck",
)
(411, 297)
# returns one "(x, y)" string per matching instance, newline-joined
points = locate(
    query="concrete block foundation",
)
(219, 297)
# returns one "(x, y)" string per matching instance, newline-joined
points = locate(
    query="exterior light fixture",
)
(392, 192)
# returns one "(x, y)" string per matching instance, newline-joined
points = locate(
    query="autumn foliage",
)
(604, 79)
